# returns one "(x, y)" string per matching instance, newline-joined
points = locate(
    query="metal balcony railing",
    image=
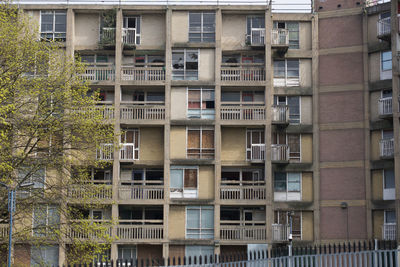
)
(130, 36)
(280, 114)
(105, 152)
(389, 231)
(385, 106)
(256, 37)
(143, 74)
(242, 112)
(279, 37)
(386, 147)
(383, 27)
(280, 232)
(140, 230)
(257, 152)
(142, 112)
(279, 152)
(243, 231)
(99, 72)
(236, 72)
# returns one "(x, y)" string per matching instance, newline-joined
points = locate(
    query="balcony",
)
(90, 191)
(250, 113)
(389, 231)
(153, 191)
(385, 106)
(386, 147)
(280, 114)
(140, 230)
(130, 36)
(280, 39)
(383, 31)
(100, 72)
(243, 231)
(129, 152)
(4, 230)
(280, 232)
(107, 36)
(286, 82)
(236, 190)
(232, 73)
(143, 75)
(279, 153)
(256, 37)
(256, 153)
(105, 152)
(142, 112)
(81, 229)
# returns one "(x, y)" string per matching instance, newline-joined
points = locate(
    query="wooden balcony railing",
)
(280, 232)
(389, 231)
(143, 74)
(243, 231)
(141, 192)
(140, 230)
(279, 152)
(4, 230)
(233, 190)
(279, 37)
(386, 148)
(280, 114)
(233, 72)
(141, 112)
(242, 112)
(99, 72)
(385, 106)
(257, 152)
(81, 229)
(90, 191)
(105, 152)
(383, 27)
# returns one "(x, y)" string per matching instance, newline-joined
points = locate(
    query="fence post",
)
(398, 254)
(375, 252)
(290, 254)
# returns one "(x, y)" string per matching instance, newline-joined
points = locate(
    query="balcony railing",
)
(234, 190)
(256, 37)
(105, 152)
(106, 111)
(99, 72)
(140, 230)
(78, 229)
(90, 191)
(243, 231)
(141, 192)
(129, 36)
(383, 27)
(280, 232)
(280, 37)
(386, 148)
(234, 72)
(107, 36)
(286, 82)
(242, 113)
(385, 106)
(4, 230)
(279, 152)
(143, 74)
(142, 112)
(129, 152)
(280, 114)
(257, 152)
(389, 231)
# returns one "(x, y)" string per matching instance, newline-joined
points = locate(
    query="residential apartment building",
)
(238, 122)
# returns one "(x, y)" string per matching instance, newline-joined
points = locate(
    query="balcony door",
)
(131, 30)
(255, 148)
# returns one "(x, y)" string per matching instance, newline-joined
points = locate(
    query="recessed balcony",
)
(280, 40)
(99, 72)
(99, 229)
(90, 191)
(389, 231)
(143, 75)
(142, 112)
(233, 73)
(280, 114)
(239, 112)
(140, 231)
(151, 190)
(386, 147)
(242, 190)
(243, 231)
(385, 106)
(279, 153)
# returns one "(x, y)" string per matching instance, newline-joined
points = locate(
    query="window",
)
(242, 98)
(287, 186)
(140, 215)
(255, 30)
(242, 177)
(255, 148)
(106, 96)
(46, 219)
(53, 25)
(44, 256)
(126, 252)
(131, 30)
(185, 64)
(201, 103)
(196, 251)
(286, 72)
(200, 222)
(30, 175)
(386, 60)
(146, 176)
(202, 27)
(293, 28)
(386, 93)
(200, 143)
(184, 182)
(389, 191)
(387, 134)
(130, 145)
(294, 146)
(283, 218)
(138, 97)
(390, 217)
(293, 102)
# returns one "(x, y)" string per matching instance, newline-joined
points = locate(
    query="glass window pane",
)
(389, 179)
(193, 218)
(207, 218)
(177, 60)
(390, 216)
(293, 182)
(293, 68)
(230, 96)
(279, 68)
(176, 178)
(155, 96)
(190, 178)
(280, 182)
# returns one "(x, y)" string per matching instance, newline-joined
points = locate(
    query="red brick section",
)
(340, 31)
(341, 69)
(344, 183)
(341, 145)
(341, 107)
(329, 5)
(338, 223)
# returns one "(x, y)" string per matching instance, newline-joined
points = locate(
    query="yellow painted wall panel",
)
(176, 222)
(306, 148)
(151, 144)
(307, 186)
(206, 182)
(178, 142)
(233, 144)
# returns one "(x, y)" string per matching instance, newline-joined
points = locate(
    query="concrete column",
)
(117, 130)
(315, 119)
(70, 34)
(269, 93)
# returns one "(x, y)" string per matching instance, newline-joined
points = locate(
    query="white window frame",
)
(388, 193)
(276, 102)
(287, 81)
(184, 77)
(249, 35)
(46, 224)
(53, 32)
(385, 74)
(262, 132)
(137, 148)
(206, 113)
(201, 154)
(275, 26)
(137, 29)
(201, 32)
(183, 192)
(289, 195)
(200, 208)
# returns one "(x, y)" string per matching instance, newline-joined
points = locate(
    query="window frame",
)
(202, 31)
(206, 113)
(176, 77)
(289, 195)
(254, 182)
(291, 120)
(184, 193)
(201, 154)
(200, 208)
(44, 249)
(136, 149)
(382, 61)
(291, 46)
(249, 35)
(47, 226)
(137, 29)
(277, 216)
(53, 32)
(285, 80)
(250, 142)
